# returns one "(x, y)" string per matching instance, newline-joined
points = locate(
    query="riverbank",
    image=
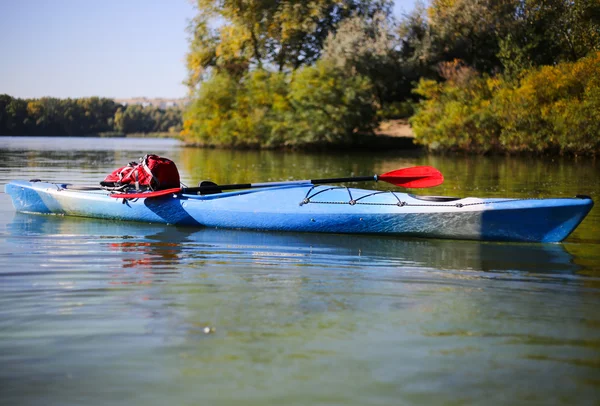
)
(391, 134)
(395, 128)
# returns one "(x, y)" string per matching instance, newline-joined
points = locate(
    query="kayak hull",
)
(327, 209)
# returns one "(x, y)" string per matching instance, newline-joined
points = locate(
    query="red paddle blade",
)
(142, 195)
(415, 177)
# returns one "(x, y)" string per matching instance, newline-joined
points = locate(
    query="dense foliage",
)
(260, 78)
(275, 35)
(494, 36)
(551, 108)
(514, 75)
(79, 117)
(291, 73)
(313, 106)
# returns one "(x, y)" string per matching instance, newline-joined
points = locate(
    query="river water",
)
(98, 312)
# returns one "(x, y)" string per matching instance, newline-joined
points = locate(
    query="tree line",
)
(50, 116)
(475, 75)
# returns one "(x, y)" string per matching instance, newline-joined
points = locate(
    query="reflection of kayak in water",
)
(159, 245)
(396, 252)
(326, 209)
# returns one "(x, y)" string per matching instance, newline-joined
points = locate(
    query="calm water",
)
(99, 312)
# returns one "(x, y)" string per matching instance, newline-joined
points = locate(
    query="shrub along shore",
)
(548, 109)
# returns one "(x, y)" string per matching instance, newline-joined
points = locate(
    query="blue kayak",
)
(305, 207)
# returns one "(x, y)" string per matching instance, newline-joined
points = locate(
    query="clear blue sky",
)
(108, 48)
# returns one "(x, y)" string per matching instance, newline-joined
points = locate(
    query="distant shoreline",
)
(102, 135)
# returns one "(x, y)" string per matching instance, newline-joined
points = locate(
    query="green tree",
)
(367, 46)
(98, 114)
(457, 114)
(545, 32)
(469, 30)
(5, 100)
(263, 34)
(330, 106)
(313, 106)
(170, 120)
(133, 119)
(249, 76)
(498, 36)
(416, 51)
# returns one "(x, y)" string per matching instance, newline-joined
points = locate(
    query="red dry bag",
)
(152, 172)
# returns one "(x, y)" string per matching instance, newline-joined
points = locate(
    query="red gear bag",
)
(152, 172)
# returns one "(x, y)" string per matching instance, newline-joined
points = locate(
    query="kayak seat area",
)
(209, 183)
(435, 198)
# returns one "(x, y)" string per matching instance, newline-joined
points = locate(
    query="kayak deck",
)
(329, 209)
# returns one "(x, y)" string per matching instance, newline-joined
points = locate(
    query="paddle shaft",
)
(213, 188)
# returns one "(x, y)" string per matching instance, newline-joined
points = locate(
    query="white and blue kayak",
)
(307, 207)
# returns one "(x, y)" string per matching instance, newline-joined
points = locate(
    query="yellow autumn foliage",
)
(550, 109)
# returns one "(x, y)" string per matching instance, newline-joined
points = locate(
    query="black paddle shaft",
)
(215, 188)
